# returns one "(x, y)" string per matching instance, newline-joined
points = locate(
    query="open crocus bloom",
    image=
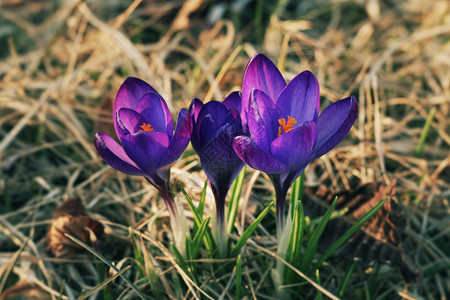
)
(144, 126)
(215, 124)
(286, 130)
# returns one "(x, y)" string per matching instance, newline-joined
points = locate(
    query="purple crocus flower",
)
(144, 126)
(286, 130)
(215, 124)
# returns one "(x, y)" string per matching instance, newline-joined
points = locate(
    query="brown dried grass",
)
(66, 60)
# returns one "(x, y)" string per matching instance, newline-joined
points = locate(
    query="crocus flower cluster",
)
(272, 126)
(285, 129)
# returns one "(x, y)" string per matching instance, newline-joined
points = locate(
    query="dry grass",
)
(63, 61)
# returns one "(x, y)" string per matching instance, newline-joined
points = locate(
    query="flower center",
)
(146, 127)
(286, 126)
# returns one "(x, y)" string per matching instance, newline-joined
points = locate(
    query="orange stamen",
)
(146, 127)
(286, 126)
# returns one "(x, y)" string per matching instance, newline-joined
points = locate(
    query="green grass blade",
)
(319, 293)
(350, 232)
(137, 254)
(424, 134)
(313, 242)
(233, 205)
(197, 241)
(295, 239)
(248, 232)
(101, 285)
(346, 280)
(11, 265)
(151, 272)
(208, 239)
(297, 191)
(201, 204)
(238, 281)
(179, 258)
(103, 259)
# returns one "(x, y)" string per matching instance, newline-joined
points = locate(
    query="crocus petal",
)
(155, 110)
(333, 125)
(218, 159)
(216, 110)
(262, 119)
(300, 99)
(146, 149)
(211, 117)
(234, 101)
(250, 153)
(234, 120)
(131, 90)
(180, 139)
(206, 131)
(294, 147)
(114, 155)
(262, 74)
(195, 107)
(130, 119)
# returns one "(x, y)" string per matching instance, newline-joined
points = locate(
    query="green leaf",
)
(346, 280)
(297, 191)
(233, 205)
(201, 204)
(319, 293)
(197, 241)
(137, 254)
(209, 241)
(238, 281)
(424, 134)
(295, 239)
(311, 248)
(179, 259)
(350, 232)
(248, 232)
(150, 271)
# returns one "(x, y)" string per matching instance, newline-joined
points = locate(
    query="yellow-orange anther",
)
(146, 127)
(286, 126)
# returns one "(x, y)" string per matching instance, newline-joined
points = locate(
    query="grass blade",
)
(103, 259)
(151, 272)
(101, 285)
(424, 134)
(297, 191)
(11, 265)
(197, 241)
(137, 254)
(346, 280)
(234, 200)
(350, 232)
(313, 242)
(179, 258)
(201, 204)
(295, 239)
(208, 239)
(248, 232)
(238, 281)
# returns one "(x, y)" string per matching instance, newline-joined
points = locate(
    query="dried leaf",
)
(24, 290)
(71, 218)
(379, 240)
